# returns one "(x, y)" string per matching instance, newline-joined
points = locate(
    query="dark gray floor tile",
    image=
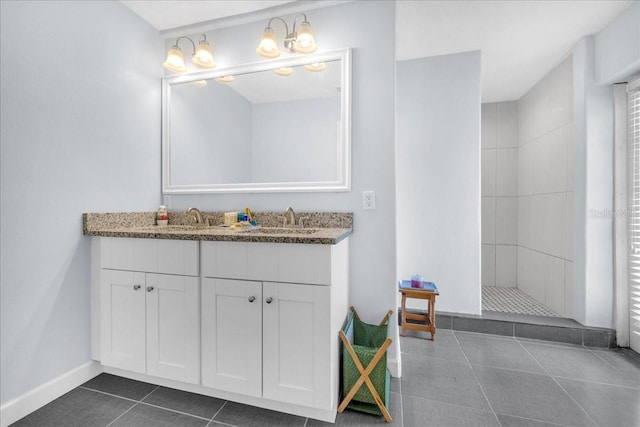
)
(182, 401)
(238, 414)
(131, 389)
(577, 364)
(509, 421)
(609, 405)
(551, 343)
(442, 380)
(623, 361)
(149, 416)
(420, 412)
(444, 347)
(78, 408)
(352, 418)
(528, 395)
(394, 385)
(497, 352)
(484, 326)
(548, 333)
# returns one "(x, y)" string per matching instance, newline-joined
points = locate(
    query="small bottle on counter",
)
(161, 216)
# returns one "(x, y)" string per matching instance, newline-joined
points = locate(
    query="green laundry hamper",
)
(365, 377)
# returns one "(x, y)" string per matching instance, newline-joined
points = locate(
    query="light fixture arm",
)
(193, 45)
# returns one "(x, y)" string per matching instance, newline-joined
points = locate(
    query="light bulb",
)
(268, 46)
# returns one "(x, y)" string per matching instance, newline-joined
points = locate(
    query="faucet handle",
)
(301, 221)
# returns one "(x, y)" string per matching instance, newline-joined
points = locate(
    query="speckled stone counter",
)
(325, 228)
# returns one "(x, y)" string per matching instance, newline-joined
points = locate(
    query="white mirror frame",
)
(343, 182)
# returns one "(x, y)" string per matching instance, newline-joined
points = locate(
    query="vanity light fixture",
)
(202, 55)
(300, 41)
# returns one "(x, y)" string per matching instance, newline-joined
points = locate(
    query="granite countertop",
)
(323, 228)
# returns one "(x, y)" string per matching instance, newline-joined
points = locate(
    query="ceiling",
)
(521, 41)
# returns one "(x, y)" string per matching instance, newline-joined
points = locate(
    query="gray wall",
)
(80, 133)
(438, 176)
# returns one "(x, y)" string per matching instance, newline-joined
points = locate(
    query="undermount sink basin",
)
(279, 230)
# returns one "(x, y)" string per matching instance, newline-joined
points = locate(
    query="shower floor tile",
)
(512, 300)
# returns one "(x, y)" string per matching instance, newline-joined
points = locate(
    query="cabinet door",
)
(296, 339)
(173, 327)
(232, 335)
(122, 303)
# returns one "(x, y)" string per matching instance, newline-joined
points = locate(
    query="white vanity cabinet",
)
(149, 304)
(271, 313)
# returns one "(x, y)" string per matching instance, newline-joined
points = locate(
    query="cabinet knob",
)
(149, 288)
(252, 298)
(136, 287)
(269, 300)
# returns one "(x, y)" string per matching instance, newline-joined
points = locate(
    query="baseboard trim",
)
(20, 407)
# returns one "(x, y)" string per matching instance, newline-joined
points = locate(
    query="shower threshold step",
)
(545, 328)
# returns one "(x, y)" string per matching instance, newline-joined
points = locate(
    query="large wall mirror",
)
(274, 126)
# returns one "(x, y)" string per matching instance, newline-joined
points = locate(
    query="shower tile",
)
(523, 220)
(568, 233)
(488, 265)
(507, 124)
(554, 224)
(489, 116)
(506, 220)
(488, 219)
(488, 172)
(506, 265)
(507, 172)
(554, 284)
(568, 289)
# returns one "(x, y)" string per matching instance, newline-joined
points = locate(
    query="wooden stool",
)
(428, 321)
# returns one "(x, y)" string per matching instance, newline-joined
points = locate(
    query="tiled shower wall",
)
(499, 193)
(545, 191)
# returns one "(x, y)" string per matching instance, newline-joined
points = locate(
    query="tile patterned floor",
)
(512, 300)
(461, 379)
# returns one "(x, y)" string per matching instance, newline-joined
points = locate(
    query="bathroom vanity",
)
(248, 316)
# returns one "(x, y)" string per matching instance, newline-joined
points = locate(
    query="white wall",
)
(438, 176)
(356, 25)
(499, 190)
(80, 133)
(612, 55)
(545, 190)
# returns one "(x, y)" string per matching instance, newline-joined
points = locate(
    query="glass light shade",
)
(225, 79)
(283, 71)
(204, 56)
(316, 66)
(305, 43)
(175, 60)
(268, 46)
(199, 83)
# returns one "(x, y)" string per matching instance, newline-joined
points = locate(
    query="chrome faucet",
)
(292, 216)
(196, 214)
